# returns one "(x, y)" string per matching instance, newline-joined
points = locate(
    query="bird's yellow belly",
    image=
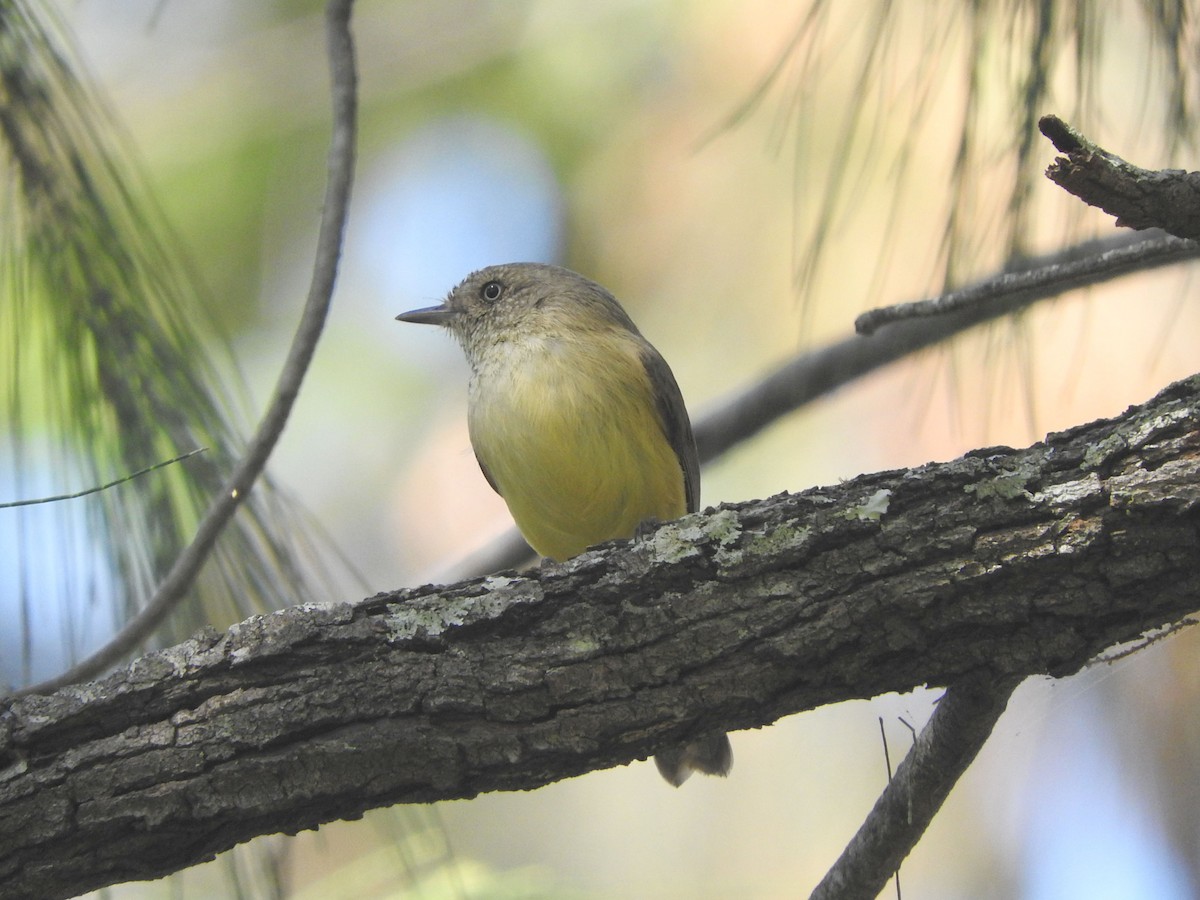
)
(577, 467)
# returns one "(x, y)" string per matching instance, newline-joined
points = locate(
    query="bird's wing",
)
(676, 425)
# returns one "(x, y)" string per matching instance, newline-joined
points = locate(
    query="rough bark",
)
(1139, 198)
(999, 564)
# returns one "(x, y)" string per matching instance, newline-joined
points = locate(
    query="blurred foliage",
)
(964, 85)
(109, 363)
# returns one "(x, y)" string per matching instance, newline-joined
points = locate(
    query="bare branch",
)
(1017, 289)
(1139, 198)
(949, 742)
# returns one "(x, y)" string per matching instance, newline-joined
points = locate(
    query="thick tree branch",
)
(1002, 562)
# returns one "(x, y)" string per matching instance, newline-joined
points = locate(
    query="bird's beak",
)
(430, 315)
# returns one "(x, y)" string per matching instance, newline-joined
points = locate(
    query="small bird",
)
(576, 421)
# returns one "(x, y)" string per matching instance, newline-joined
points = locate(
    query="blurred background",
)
(746, 177)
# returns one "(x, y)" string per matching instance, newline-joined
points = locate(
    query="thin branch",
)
(946, 746)
(1039, 283)
(815, 374)
(57, 498)
(1139, 198)
(340, 168)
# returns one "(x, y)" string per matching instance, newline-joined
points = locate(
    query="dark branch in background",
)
(178, 580)
(890, 337)
(948, 744)
(1000, 564)
(1022, 288)
(1139, 198)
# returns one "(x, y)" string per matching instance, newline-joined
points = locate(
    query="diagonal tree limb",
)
(178, 580)
(951, 739)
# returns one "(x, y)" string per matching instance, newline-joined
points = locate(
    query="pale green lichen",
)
(430, 620)
(585, 647)
(724, 527)
(1005, 486)
(873, 509)
(768, 544)
(680, 540)
(676, 541)
(407, 622)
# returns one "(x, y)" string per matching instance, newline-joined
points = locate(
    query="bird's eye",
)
(491, 291)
